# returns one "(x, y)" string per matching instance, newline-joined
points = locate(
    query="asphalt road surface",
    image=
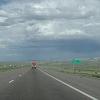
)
(37, 85)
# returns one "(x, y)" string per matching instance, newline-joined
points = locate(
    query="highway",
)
(39, 85)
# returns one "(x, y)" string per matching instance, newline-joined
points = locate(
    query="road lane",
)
(70, 86)
(35, 85)
(87, 84)
(6, 77)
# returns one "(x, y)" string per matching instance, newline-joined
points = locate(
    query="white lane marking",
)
(19, 75)
(11, 81)
(85, 94)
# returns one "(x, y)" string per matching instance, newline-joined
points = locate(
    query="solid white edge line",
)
(85, 94)
(11, 81)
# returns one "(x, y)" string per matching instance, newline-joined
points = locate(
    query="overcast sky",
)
(49, 29)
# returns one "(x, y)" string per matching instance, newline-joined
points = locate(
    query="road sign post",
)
(75, 62)
(73, 68)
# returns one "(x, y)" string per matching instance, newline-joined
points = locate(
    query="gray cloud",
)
(24, 20)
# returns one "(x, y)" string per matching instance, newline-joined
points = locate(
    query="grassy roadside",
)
(91, 69)
(9, 66)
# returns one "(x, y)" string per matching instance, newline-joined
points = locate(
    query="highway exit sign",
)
(76, 61)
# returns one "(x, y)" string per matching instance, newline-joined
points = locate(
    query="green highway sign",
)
(76, 61)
